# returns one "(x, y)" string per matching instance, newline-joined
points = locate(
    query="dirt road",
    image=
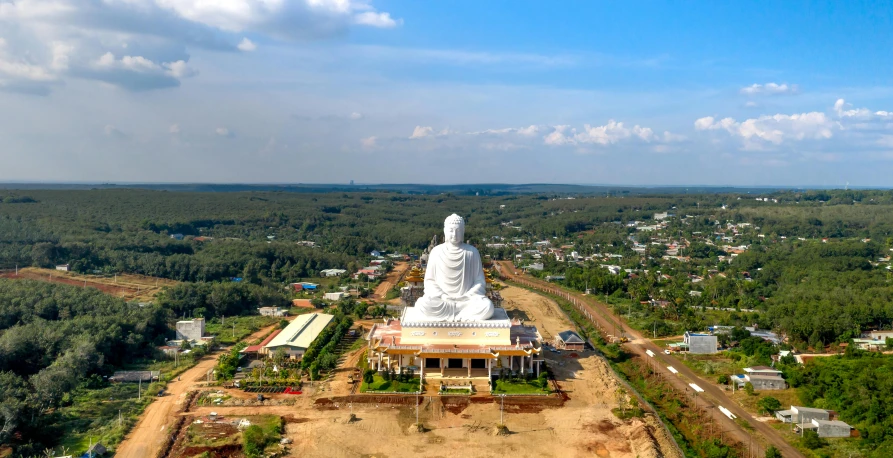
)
(712, 397)
(147, 436)
(393, 277)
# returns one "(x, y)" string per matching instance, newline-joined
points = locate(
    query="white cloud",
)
(422, 132)
(47, 41)
(608, 134)
(174, 129)
(529, 131)
(223, 132)
(770, 89)
(356, 115)
(382, 20)
(775, 128)
(246, 45)
(369, 142)
(557, 137)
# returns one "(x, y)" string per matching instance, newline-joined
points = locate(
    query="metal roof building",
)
(299, 334)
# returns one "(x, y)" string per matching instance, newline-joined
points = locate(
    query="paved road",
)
(604, 318)
(145, 440)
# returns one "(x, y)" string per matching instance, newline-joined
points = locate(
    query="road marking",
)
(727, 413)
(672, 369)
(696, 388)
(649, 353)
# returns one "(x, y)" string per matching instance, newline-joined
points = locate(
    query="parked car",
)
(666, 352)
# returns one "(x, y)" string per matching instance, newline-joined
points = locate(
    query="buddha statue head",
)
(454, 229)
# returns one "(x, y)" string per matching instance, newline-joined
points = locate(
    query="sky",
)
(789, 93)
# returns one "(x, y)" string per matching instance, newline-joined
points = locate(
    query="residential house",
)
(830, 428)
(337, 296)
(798, 414)
(192, 330)
(569, 340)
(272, 311)
(702, 344)
(333, 272)
(64, 268)
(177, 236)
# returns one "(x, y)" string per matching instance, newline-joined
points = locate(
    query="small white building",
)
(333, 272)
(272, 311)
(192, 330)
(64, 268)
(337, 296)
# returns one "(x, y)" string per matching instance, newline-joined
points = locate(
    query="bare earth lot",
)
(130, 287)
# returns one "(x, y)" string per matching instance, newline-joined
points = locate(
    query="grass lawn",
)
(380, 384)
(532, 387)
(93, 414)
(710, 367)
(244, 326)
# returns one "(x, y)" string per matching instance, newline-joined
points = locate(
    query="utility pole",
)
(501, 409)
(417, 409)
(139, 395)
(234, 329)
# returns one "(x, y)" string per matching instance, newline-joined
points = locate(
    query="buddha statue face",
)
(454, 230)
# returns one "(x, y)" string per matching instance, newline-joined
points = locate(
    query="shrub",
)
(773, 452)
(723, 379)
(369, 376)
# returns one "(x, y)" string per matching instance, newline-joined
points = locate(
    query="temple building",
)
(454, 325)
(455, 349)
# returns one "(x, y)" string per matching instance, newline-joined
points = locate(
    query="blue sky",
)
(725, 93)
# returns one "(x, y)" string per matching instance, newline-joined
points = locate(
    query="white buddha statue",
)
(455, 286)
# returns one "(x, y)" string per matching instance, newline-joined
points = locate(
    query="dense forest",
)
(52, 338)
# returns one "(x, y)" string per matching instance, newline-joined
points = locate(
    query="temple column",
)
(489, 369)
(379, 361)
(422, 370)
(441, 367)
(468, 361)
(531, 362)
(511, 363)
(399, 363)
(538, 364)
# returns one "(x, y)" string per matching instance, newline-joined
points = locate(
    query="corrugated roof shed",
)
(302, 331)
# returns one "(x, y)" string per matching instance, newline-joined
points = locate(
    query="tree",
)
(253, 441)
(723, 379)
(748, 388)
(773, 452)
(769, 404)
(811, 440)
